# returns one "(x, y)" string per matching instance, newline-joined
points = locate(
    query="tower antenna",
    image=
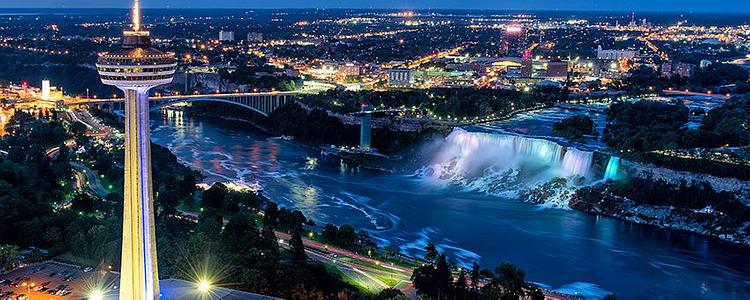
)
(136, 15)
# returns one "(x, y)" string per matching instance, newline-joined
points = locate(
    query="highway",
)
(85, 177)
(367, 271)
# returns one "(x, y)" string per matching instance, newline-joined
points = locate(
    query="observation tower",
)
(136, 68)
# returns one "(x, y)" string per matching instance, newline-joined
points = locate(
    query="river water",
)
(563, 249)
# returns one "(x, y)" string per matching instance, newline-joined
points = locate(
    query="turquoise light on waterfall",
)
(612, 167)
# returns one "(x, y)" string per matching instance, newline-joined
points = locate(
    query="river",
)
(563, 249)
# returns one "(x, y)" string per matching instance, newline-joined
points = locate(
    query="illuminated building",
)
(400, 77)
(348, 70)
(255, 37)
(670, 69)
(557, 70)
(135, 69)
(46, 89)
(365, 128)
(226, 36)
(615, 54)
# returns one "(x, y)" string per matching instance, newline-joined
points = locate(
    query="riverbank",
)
(706, 221)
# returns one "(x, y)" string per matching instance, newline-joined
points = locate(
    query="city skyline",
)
(402, 153)
(721, 6)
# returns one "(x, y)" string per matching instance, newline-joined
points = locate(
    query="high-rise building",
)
(400, 77)
(46, 90)
(226, 36)
(135, 69)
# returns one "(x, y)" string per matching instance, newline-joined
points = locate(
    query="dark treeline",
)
(639, 128)
(648, 125)
(574, 127)
(258, 74)
(317, 127)
(645, 125)
(457, 103)
(714, 77)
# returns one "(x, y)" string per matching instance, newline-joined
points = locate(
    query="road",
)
(87, 178)
(366, 271)
(363, 269)
(689, 93)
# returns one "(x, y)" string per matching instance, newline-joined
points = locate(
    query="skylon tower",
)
(136, 68)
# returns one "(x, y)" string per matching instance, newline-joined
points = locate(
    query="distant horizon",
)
(394, 9)
(665, 6)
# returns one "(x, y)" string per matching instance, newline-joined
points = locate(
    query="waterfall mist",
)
(502, 164)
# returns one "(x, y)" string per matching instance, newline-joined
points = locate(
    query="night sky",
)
(619, 5)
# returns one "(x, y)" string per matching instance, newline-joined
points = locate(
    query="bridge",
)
(262, 103)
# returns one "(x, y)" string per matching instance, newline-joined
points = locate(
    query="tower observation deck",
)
(135, 69)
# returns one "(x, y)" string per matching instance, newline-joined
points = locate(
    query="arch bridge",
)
(261, 103)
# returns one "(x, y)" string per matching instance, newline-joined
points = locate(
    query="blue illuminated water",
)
(564, 249)
(613, 166)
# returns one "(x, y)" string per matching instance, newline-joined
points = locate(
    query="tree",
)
(346, 235)
(330, 233)
(271, 214)
(83, 201)
(390, 294)
(434, 280)
(77, 129)
(460, 286)
(298, 248)
(431, 252)
(511, 278)
(210, 223)
(574, 127)
(475, 275)
(8, 257)
(214, 196)
(610, 297)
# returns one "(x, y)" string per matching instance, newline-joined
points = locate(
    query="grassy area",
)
(189, 208)
(390, 281)
(353, 281)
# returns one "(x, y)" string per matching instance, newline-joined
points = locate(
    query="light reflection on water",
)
(564, 249)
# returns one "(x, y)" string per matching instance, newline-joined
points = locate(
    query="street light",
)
(96, 295)
(204, 286)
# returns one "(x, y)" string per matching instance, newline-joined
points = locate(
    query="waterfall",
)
(496, 162)
(612, 167)
(577, 162)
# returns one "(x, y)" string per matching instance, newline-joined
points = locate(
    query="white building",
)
(615, 54)
(226, 36)
(400, 77)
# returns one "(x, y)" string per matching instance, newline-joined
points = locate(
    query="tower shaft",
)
(139, 277)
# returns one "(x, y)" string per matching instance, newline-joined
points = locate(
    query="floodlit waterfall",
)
(577, 162)
(612, 167)
(500, 163)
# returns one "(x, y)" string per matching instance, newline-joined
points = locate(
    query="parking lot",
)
(50, 281)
